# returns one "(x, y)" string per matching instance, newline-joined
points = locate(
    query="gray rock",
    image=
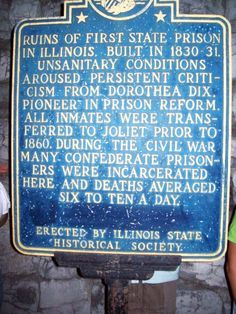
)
(69, 309)
(8, 308)
(4, 65)
(24, 9)
(55, 293)
(52, 8)
(4, 92)
(211, 274)
(4, 140)
(97, 298)
(48, 269)
(202, 7)
(233, 172)
(22, 294)
(5, 26)
(234, 57)
(234, 108)
(198, 302)
(11, 262)
(231, 9)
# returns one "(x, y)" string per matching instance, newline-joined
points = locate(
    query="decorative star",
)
(160, 16)
(82, 17)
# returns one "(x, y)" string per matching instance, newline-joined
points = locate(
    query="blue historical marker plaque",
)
(120, 131)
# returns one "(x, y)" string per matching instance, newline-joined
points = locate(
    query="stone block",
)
(11, 262)
(69, 309)
(82, 308)
(234, 102)
(234, 57)
(5, 27)
(233, 151)
(4, 65)
(55, 293)
(5, 92)
(8, 308)
(97, 298)
(4, 114)
(233, 147)
(52, 8)
(198, 302)
(4, 140)
(24, 9)
(211, 274)
(201, 7)
(227, 308)
(20, 293)
(48, 269)
(19, 264)
(231, 9)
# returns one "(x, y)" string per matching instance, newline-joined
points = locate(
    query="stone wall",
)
(35, 284)
(202, 287)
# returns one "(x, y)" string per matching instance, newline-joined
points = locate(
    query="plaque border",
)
(226, 125)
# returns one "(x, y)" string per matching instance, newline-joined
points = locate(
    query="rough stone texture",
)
(23, 10)
(198, 302)
(233, 146)
(47, 270)
(4, 64)
(52, 8)
(233, 171)
(211, 274)
(5, 27)
(231, 9)
(73, 291)
(4, 100)
(68, 309)
(97, 298)
(21, 293)
(202, 7)
(4, 140)
(234, 108)
(35, 284)
(234, 57)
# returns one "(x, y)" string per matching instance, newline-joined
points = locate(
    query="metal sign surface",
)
(120, 131)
